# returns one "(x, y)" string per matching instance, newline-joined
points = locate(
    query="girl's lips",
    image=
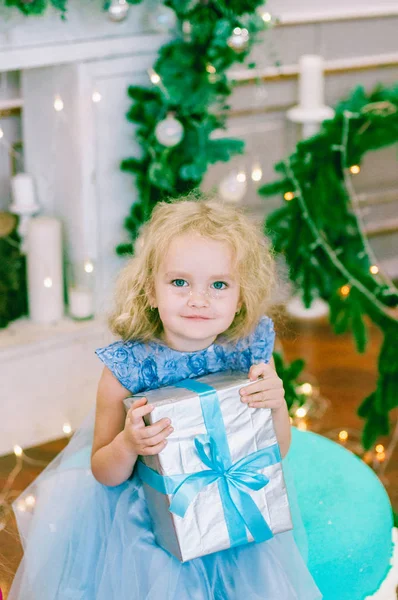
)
(195, 318)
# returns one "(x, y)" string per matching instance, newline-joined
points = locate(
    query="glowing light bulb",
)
(241, 177)
(343, 435)
(257, 173)
(302, 426)
(381, 456)
(18, 450)
(374, 269)
(1, 133)
(210, 69)
(154, 77)
(48, 282)
(88, 266)
(379, 448)
(58, 103)
(30, 500)
(288, 196)
(266, 17)
(306, 388)
(355, 169)
(344, 290)
(96, 97)
(237, 31)
(301, 412)
(66, 428)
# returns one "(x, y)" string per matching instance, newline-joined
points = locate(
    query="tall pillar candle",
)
(23, 193)
(311, 82)
(45, 273)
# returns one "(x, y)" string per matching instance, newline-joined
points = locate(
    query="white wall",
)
(325, 8)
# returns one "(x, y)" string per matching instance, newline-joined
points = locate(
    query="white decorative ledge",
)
(49, 377)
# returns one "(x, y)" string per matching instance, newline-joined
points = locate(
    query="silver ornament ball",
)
(169, 132)
(239, 40)
(118, 10)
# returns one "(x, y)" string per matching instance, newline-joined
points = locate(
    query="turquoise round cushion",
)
(347, 516)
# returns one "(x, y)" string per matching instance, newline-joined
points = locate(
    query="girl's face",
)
(196, 291)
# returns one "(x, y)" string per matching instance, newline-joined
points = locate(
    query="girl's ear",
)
(150, 292)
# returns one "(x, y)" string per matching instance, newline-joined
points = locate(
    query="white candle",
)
(23, 193)
(80, 303)
(45, 276)
(311, 82)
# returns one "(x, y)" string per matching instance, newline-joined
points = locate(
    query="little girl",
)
(192, 301)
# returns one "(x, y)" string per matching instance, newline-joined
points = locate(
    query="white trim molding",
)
(46, 55)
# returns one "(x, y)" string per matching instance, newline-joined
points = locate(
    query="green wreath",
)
(319, 232)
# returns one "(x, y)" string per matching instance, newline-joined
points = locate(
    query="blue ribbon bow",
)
(233, 480)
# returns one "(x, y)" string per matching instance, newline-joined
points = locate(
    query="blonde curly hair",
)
(133, 318)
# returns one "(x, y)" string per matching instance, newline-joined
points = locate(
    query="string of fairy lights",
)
(354, 170)
(320, 241)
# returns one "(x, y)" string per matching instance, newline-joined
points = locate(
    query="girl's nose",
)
(198, 299)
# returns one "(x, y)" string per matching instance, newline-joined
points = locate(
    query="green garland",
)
(13, 289)
(195, 62)
(318, 233)
(38, 7)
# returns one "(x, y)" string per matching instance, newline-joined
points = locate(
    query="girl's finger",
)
(271, 403)
(138, 402)
(160, 437)
(270, 383)
(152, 430)
(151, 450)
(137, 413)
(266, 396)
(260, 370)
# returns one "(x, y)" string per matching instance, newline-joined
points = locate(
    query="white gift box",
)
(237, 430)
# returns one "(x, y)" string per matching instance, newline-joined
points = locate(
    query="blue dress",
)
(86, 541)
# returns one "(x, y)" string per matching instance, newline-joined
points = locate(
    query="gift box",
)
(219, 481)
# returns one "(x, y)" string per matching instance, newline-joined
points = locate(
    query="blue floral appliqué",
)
(143, 366)
(197, 363)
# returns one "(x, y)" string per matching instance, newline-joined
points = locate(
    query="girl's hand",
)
(142, 439)
(268, 392)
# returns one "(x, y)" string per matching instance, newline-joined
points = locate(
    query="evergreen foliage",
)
(319, 234)
(193, 87)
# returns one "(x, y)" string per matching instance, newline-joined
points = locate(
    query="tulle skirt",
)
(86, 541)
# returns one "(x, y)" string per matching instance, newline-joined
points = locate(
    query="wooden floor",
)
(344, 377)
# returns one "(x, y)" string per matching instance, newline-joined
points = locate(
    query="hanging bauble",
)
(118, 10)
(162, 19)
(239, 40)
(233, 187)
(169, 132)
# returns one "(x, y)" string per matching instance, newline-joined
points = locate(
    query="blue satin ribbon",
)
(233, 480)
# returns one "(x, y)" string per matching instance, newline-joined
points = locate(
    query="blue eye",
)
(179, 282)
(219, 285)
